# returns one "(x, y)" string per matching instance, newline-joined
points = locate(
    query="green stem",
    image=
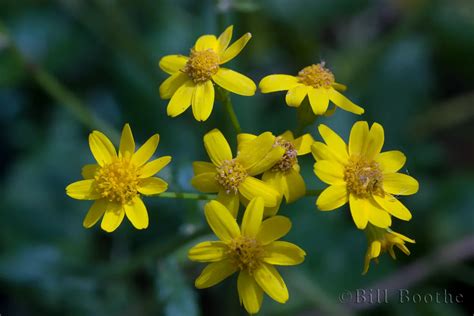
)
(224, 97)
(186, 195)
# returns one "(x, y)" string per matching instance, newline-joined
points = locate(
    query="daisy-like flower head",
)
(315, 81)
(252, 250)
(381, 240)
(233, 178)
(359, 173)
(284, 175)
(117, 181)
(191, 80)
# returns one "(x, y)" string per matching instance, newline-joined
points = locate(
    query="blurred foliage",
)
(408, 62)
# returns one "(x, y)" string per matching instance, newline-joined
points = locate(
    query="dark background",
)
(70, 66)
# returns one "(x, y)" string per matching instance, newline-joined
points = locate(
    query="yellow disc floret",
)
(230, 174)
(246, 253)
(117, 181)
(289, 158)
(316, 76)
(202, 65)
(363, 178)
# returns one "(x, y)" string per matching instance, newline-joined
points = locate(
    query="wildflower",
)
(315, 81)
(191, 80)
(360, 174)
(252, 250)
(233, 178)
(285, 175)
(116, 182)
(381, 240)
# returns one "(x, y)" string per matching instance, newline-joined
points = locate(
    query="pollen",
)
(246, 253)
(316, 76)
(201, 65)
(117, 181)
(364, 178)
(230, 174)
(289, 158)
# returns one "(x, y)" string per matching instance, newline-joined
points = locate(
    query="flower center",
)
(202, 65)
(316, 76)
(289, 158)
(230, 174)
(363, 177)
(246, 252)
(117, 181)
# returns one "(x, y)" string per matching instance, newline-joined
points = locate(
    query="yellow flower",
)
(233, 178)
(382, 240)
(252, 249)
(360, 174)
(117, 180)
(192, 77)
(316, 82)
(285, 175)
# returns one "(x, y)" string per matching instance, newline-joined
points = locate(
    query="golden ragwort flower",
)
(360, 174)
(315, 81)
(381, 240)
(191, 80)
(252, 250)
(117, 180)
(233, 178)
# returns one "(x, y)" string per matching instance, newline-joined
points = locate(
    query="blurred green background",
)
(70, 66)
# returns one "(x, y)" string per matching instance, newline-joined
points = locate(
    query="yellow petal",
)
(283, 253)
(274, 83)
(273, 228)
(203, 167)
(373, 251)
(252, 217)
(224, 39)
(332, 198)
(296, 95)
(339, 86)
(303, 144)
(321, 151)
(172, 84)
(250, 293)
(208, 251)
(217, 147)
(146, 151)
(113, 217)
(149, 186)
(234, 82)
(230, 200)
(319, 100)
(102, 148)
(221, 221)
(294, 187)
(215, 273)
(288, 136)
(358, 138)
(393, 206)
(95, 213)
(271, 282)
(399, 184)
(206, 42)
(88, 171)
(83, 190)
(359, 211)
(203, 100)
(374, 141)
(172, 63)
(136, 213)
(329, 172)
(343, 102)
(391, 161)
(378, 216)
(181, 99)
(153, 167)
(259, 154)
(206, 182)
(252, 187)
(335, 142)
(243, 140)
(234, 49)
(127, 144)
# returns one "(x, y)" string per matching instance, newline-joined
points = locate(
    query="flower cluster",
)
(262, 174)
